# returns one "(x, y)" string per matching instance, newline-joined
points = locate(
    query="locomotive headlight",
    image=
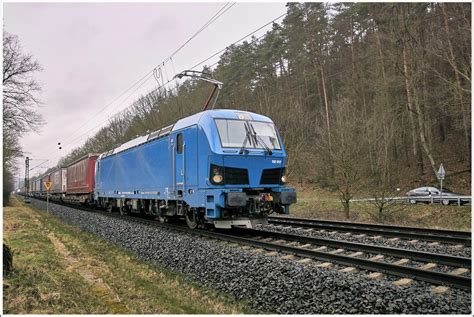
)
(217, 175)
(283, 179)
(217, 178)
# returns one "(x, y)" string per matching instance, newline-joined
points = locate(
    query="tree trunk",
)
(347, 208)
(429, 112)
(320, 95)
(352, 53)
(423, 138)
(452, 62)
(379, 46)
(416, 148)
(381, 206)
(326, 104)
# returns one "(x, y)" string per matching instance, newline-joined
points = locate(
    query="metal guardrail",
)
(432, 199)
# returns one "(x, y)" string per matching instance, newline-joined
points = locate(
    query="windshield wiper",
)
(247, 137)
(258, 139)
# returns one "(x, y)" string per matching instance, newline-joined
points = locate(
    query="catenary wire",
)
(169, 81)
(145, 77)
(331, 75)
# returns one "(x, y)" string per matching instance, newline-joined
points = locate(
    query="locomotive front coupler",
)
(241, 199)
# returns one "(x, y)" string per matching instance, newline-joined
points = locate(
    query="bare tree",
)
(19, 103)
(20, 89)
(390, 81)
(345, 152)
(384, 180)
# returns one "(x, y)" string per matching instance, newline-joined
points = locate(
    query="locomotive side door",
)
(179, 167)
(185, 160)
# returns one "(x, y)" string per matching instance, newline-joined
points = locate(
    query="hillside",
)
(365, 96)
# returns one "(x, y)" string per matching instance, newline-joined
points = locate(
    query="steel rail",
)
(368, 248)
(388, 268)
(466, 234)
(425, 234)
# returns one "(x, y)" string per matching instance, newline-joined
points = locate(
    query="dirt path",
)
(98, 286)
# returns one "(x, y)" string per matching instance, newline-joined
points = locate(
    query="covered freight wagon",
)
(38, 188)
(80, 179)
(59, 181)
(31, 186)
(44, 179)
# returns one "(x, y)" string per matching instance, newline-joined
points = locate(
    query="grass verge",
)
(325, 205)
(61, 270)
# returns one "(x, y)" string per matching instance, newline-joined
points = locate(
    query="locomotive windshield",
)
(233, 134)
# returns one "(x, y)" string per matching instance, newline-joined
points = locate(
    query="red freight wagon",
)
(80, 175)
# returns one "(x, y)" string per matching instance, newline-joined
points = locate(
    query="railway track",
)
(307, 248)
(438, 278)
(412, 233)
(427, 257)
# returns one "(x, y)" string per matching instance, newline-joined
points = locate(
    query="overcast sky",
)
(92, 52)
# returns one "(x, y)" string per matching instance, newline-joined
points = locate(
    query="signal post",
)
(441, 175)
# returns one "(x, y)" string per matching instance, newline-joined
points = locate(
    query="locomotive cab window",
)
(179, 143)
(233, 133)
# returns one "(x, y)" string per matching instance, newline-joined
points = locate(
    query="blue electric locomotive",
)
(224, 167)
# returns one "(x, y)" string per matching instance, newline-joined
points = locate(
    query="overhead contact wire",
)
(213, 55)
(218, 14)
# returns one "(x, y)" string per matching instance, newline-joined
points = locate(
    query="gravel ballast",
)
(424, 246)
(268, 283)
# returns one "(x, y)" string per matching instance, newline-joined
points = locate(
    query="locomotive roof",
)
(187, 122)
(218, 113)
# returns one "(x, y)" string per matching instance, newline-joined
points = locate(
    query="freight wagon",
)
(80, 180)
(31, 187)
(44, 179)
(58, 183)
(38, 188)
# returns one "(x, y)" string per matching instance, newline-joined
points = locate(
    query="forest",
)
(365, 95)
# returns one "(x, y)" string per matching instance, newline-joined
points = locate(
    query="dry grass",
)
(61, 270)
(318, 203)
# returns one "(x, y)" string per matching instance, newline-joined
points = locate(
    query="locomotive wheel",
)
(191, 219)
(123, 211)
(162, 219)
(109, 208)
